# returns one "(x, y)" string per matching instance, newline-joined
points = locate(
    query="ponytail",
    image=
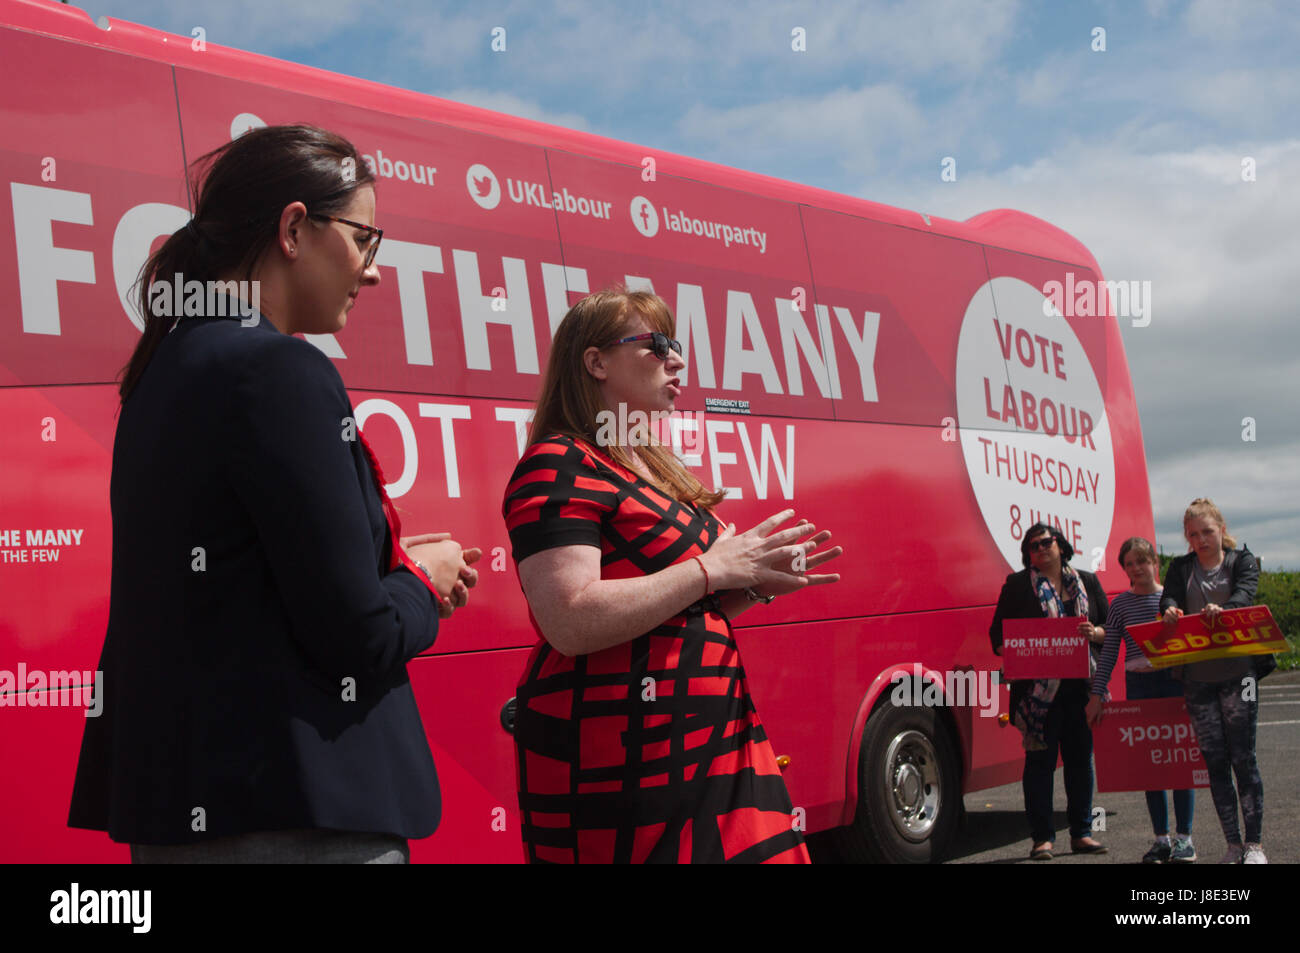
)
(179, 255)
(240, 189)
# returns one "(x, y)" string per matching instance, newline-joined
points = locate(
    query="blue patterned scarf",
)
(1031, 713)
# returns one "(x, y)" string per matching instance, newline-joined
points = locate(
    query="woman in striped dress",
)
(635, 734)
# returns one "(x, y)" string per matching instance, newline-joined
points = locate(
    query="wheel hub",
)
(913, 782)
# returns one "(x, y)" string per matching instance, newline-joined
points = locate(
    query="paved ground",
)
(995, 833)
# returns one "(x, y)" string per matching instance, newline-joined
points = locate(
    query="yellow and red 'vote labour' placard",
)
(1248, 631)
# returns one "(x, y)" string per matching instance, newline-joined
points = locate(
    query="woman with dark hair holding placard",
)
(1214, 576)
(1050, 712)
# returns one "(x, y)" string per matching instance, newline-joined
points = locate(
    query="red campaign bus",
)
(896, 378)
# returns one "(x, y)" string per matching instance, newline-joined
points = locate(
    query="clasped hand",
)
(449, 567)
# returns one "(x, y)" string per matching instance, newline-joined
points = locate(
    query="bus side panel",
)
(835, 663)
(446, 460)
(735, 256)
(39, 745)
(461, 698)
(55, 529)
(89, 136)
(916, 287)
(1123, 475)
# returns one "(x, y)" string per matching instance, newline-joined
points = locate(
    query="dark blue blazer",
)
(255, 660)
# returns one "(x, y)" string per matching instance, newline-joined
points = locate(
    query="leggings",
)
(1225, 728)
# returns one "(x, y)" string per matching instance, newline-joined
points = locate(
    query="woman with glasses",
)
(635, 735)
(256, 704)
(1050, 713)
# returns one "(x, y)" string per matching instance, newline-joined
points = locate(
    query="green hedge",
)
(1280, 591)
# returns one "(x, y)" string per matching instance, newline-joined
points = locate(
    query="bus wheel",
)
(909, 789)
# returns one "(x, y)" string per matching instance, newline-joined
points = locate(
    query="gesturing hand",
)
(773, 561)
(792, 579)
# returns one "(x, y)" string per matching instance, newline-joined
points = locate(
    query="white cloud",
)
(1213, 18)
(1255, 489)
(955, 36)
(849, 123)
(260, 27)
(1157, 8)
(1255, 94)
(1045, 85)
(1214, 247)
(684, 49)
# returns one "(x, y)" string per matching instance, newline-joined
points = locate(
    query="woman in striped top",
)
(1141, 604)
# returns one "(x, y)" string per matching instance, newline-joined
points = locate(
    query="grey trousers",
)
(314, 846)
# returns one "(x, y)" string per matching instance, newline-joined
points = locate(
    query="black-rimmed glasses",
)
(660, 343)
(372, 244)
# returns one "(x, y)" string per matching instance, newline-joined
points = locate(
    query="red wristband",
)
(707, 587)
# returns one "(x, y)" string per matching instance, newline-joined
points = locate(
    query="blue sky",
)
(1137, 151)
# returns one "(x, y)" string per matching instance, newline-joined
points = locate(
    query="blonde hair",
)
(1204, 507)
(570, 400)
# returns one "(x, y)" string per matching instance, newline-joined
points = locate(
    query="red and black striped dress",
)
(649, 751)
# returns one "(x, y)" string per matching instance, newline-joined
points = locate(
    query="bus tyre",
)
(909, 788)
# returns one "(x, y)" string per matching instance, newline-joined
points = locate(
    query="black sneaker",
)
(1159, 853)
(1183, 852)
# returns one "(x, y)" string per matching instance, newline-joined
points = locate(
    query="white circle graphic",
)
(483, 185)
(644, 216)
(1034, 431)
(243, 123)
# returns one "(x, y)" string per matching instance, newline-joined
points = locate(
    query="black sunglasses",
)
(372, 244)
(660, 343)
(1044, 544)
